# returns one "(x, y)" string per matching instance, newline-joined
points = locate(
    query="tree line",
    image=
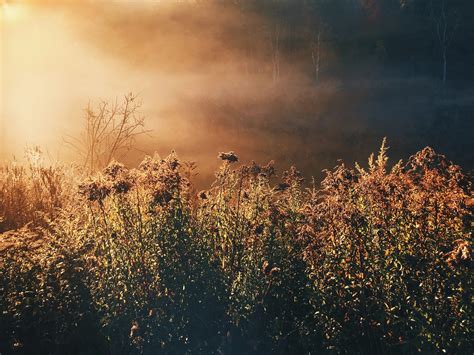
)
(341, 38)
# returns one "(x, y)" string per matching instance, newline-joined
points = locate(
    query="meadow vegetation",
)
(136, 261)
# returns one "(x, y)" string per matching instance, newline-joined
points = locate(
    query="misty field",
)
(107, 248)
(136, 261)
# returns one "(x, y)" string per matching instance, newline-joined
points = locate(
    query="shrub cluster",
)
(135, 261)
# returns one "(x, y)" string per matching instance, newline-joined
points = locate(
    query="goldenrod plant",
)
(375, 259)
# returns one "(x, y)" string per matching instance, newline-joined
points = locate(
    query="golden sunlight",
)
(270, 227)
(11, 11)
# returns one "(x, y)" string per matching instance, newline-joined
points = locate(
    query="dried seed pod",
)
(231, 157)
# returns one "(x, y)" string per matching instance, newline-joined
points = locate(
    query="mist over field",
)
(236, 177)
(206, 74)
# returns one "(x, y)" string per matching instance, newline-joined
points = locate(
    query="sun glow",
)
(11, 11)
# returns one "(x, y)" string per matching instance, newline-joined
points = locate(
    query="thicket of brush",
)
(374, 260)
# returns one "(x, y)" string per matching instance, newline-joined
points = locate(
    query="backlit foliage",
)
(373, 260)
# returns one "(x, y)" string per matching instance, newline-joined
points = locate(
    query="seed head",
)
(94, 190)
(282, 187)
(231, 157)
(114, 170)
(293, 176)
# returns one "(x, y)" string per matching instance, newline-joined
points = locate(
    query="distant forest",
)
(341, 38)
(342, 75)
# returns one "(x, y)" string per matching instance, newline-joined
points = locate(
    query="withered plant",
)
(376, 259)
(110, 131)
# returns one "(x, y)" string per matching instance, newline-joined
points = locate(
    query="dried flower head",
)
(293, 176)
(172, 161)
(122, 186)
(94, 190)
(147, 164)
(340, 177)
(428, 159)
(231, 157)
(255, 169)
(202, 195)
(269, 169)
(162, 178)
(118, 177)
(282, 186)
(162, 195)
(114, 170)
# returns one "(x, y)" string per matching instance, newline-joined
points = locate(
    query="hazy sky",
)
(57, 56)
(190, 67)
(51, 68)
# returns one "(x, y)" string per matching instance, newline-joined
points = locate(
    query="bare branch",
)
(109, 130)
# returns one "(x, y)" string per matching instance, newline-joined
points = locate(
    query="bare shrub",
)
(109, 132)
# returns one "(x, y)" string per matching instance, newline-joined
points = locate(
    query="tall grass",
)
(373, 260)
(32, 193)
